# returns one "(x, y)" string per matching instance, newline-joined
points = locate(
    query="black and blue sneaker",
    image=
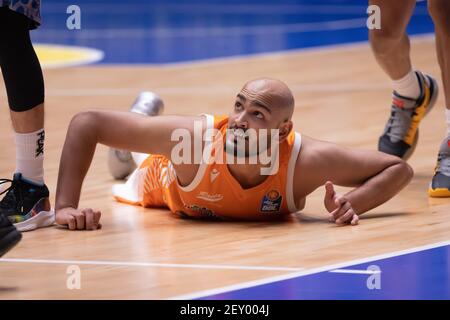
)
(26, 204)
(9, 236)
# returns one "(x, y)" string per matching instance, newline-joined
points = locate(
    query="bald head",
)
(273, 93)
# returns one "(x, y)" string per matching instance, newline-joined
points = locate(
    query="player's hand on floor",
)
(340, 209)
(79, 219)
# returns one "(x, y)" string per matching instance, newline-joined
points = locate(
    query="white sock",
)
(447, 112)
(30, 155)
(408, 86)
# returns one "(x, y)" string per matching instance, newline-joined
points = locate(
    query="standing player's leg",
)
(414, 93)
(440, 12)
(26, 202)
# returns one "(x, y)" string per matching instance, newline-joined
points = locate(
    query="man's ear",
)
(285, 129)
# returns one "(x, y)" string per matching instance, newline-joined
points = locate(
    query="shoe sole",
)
(11, 240)
(434, 97)
(411, 150)
(41, 220)
(439, 193)
(120, 163)
(431, 104)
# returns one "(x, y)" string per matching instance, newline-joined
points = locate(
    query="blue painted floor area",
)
(420, 275)
(146, 31)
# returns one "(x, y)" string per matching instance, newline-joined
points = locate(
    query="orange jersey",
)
(214, 192)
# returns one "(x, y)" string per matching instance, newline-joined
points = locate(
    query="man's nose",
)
(241, 121)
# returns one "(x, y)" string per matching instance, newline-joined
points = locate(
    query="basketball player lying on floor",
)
(215, 184)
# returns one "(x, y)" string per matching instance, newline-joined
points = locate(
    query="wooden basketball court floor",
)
(341, 96)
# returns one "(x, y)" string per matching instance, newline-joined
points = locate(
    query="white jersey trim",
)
(290, 173)
(202, 168)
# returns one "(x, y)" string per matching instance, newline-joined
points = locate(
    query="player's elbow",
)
(83, 118)
(405, 171)
(84, 124)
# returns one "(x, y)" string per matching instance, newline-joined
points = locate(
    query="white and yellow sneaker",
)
(440, 184)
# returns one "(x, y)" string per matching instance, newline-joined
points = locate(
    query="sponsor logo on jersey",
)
(271, 202)
(209, 197)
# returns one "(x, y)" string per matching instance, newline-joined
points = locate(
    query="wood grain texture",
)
(341, 96)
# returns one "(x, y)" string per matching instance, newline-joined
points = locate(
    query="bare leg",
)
(390, 44)
(440, 12)
(24, 84)
(28, 121)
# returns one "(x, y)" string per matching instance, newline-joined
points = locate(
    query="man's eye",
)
(259, 115)
(237, 105)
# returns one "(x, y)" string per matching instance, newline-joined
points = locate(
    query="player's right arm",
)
(122, 130)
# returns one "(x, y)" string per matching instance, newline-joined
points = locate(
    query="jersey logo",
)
(271, 202)
(209, 197)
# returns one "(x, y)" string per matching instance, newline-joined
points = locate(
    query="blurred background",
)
(156, 32)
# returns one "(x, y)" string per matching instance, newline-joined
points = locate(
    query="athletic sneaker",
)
(401, 132)
(120, 162)
(440, 184)
(9, 236)
(148, 104)
(26, 204)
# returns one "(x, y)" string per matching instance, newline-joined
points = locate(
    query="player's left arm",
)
(375, 176)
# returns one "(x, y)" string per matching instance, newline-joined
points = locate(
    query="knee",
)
(407, 170)
(440, 12)
(389, 36)
(384, 40)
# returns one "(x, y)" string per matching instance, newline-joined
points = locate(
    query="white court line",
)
(351, 271)
(322, 49)
(305, 272)
(212, 90)
(193, 32)
(148, 264)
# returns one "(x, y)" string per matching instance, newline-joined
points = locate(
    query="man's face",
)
(253, 111)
